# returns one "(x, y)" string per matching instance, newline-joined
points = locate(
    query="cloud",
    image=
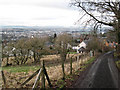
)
(61, 4)
(37, 12)
(45, 18)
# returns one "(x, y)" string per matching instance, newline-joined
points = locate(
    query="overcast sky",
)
(38, 13)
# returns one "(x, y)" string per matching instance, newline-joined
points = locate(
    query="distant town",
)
(14, 33)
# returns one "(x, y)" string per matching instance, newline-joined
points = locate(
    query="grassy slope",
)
(118, 64)
(61, 83)
(14, 69)
(117, 55)
(34, 68)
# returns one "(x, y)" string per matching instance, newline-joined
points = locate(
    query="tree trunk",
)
(63, 68)
(26, 57)
(43, 75)
(43, 80)
(22, 56)
(34, 56)
(71, 66)
(117, 28)
(7, 61)
(118, 38)
(118, 31)
(16, 59)
(118, 35)
(22, 59)
(38, 58)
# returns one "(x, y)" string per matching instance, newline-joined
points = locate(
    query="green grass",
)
(87, 63)
(116, 54)
(26, 69)
(90, 61)
(118, 64)
(0, 68)
(60, 83)
(15, 69)
(72, 52)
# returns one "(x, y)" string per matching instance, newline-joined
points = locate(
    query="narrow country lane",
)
(102, 74)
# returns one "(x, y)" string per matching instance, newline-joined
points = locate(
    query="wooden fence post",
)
(37, 79)
(39, 72)
(70, 65)
(43, 76)
(47, 77)
(34, 74)
(43, 80)
(3, 78)
(77, 61)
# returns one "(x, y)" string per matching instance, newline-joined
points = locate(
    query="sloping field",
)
(15, 76)
(47, 58)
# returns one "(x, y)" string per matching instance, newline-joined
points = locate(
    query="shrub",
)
(95, 44)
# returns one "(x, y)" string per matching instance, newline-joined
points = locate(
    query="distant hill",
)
(49, 27)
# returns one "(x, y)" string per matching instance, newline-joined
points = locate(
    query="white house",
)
(75, 47)
(83, 44)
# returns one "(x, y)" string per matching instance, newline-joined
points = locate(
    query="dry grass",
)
(14, 80)
(46, 58)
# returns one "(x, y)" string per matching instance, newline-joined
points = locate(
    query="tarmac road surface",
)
(102, 74)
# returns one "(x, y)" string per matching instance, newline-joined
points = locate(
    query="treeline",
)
(35, 48)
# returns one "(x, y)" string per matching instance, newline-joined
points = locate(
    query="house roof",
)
(86, 41)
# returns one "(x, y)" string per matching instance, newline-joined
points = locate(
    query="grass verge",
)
(90, 61)
(117, 56)
(15, 69)
(118, 64)
(71, 78)
(72, 52)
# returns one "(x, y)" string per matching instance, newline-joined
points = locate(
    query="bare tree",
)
(61, 45)
(95, 44)
(22, 48)
(102, 12)
(37, 45)
(20, 51)
(6, 52)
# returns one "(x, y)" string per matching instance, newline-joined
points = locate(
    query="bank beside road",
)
(0, 79)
